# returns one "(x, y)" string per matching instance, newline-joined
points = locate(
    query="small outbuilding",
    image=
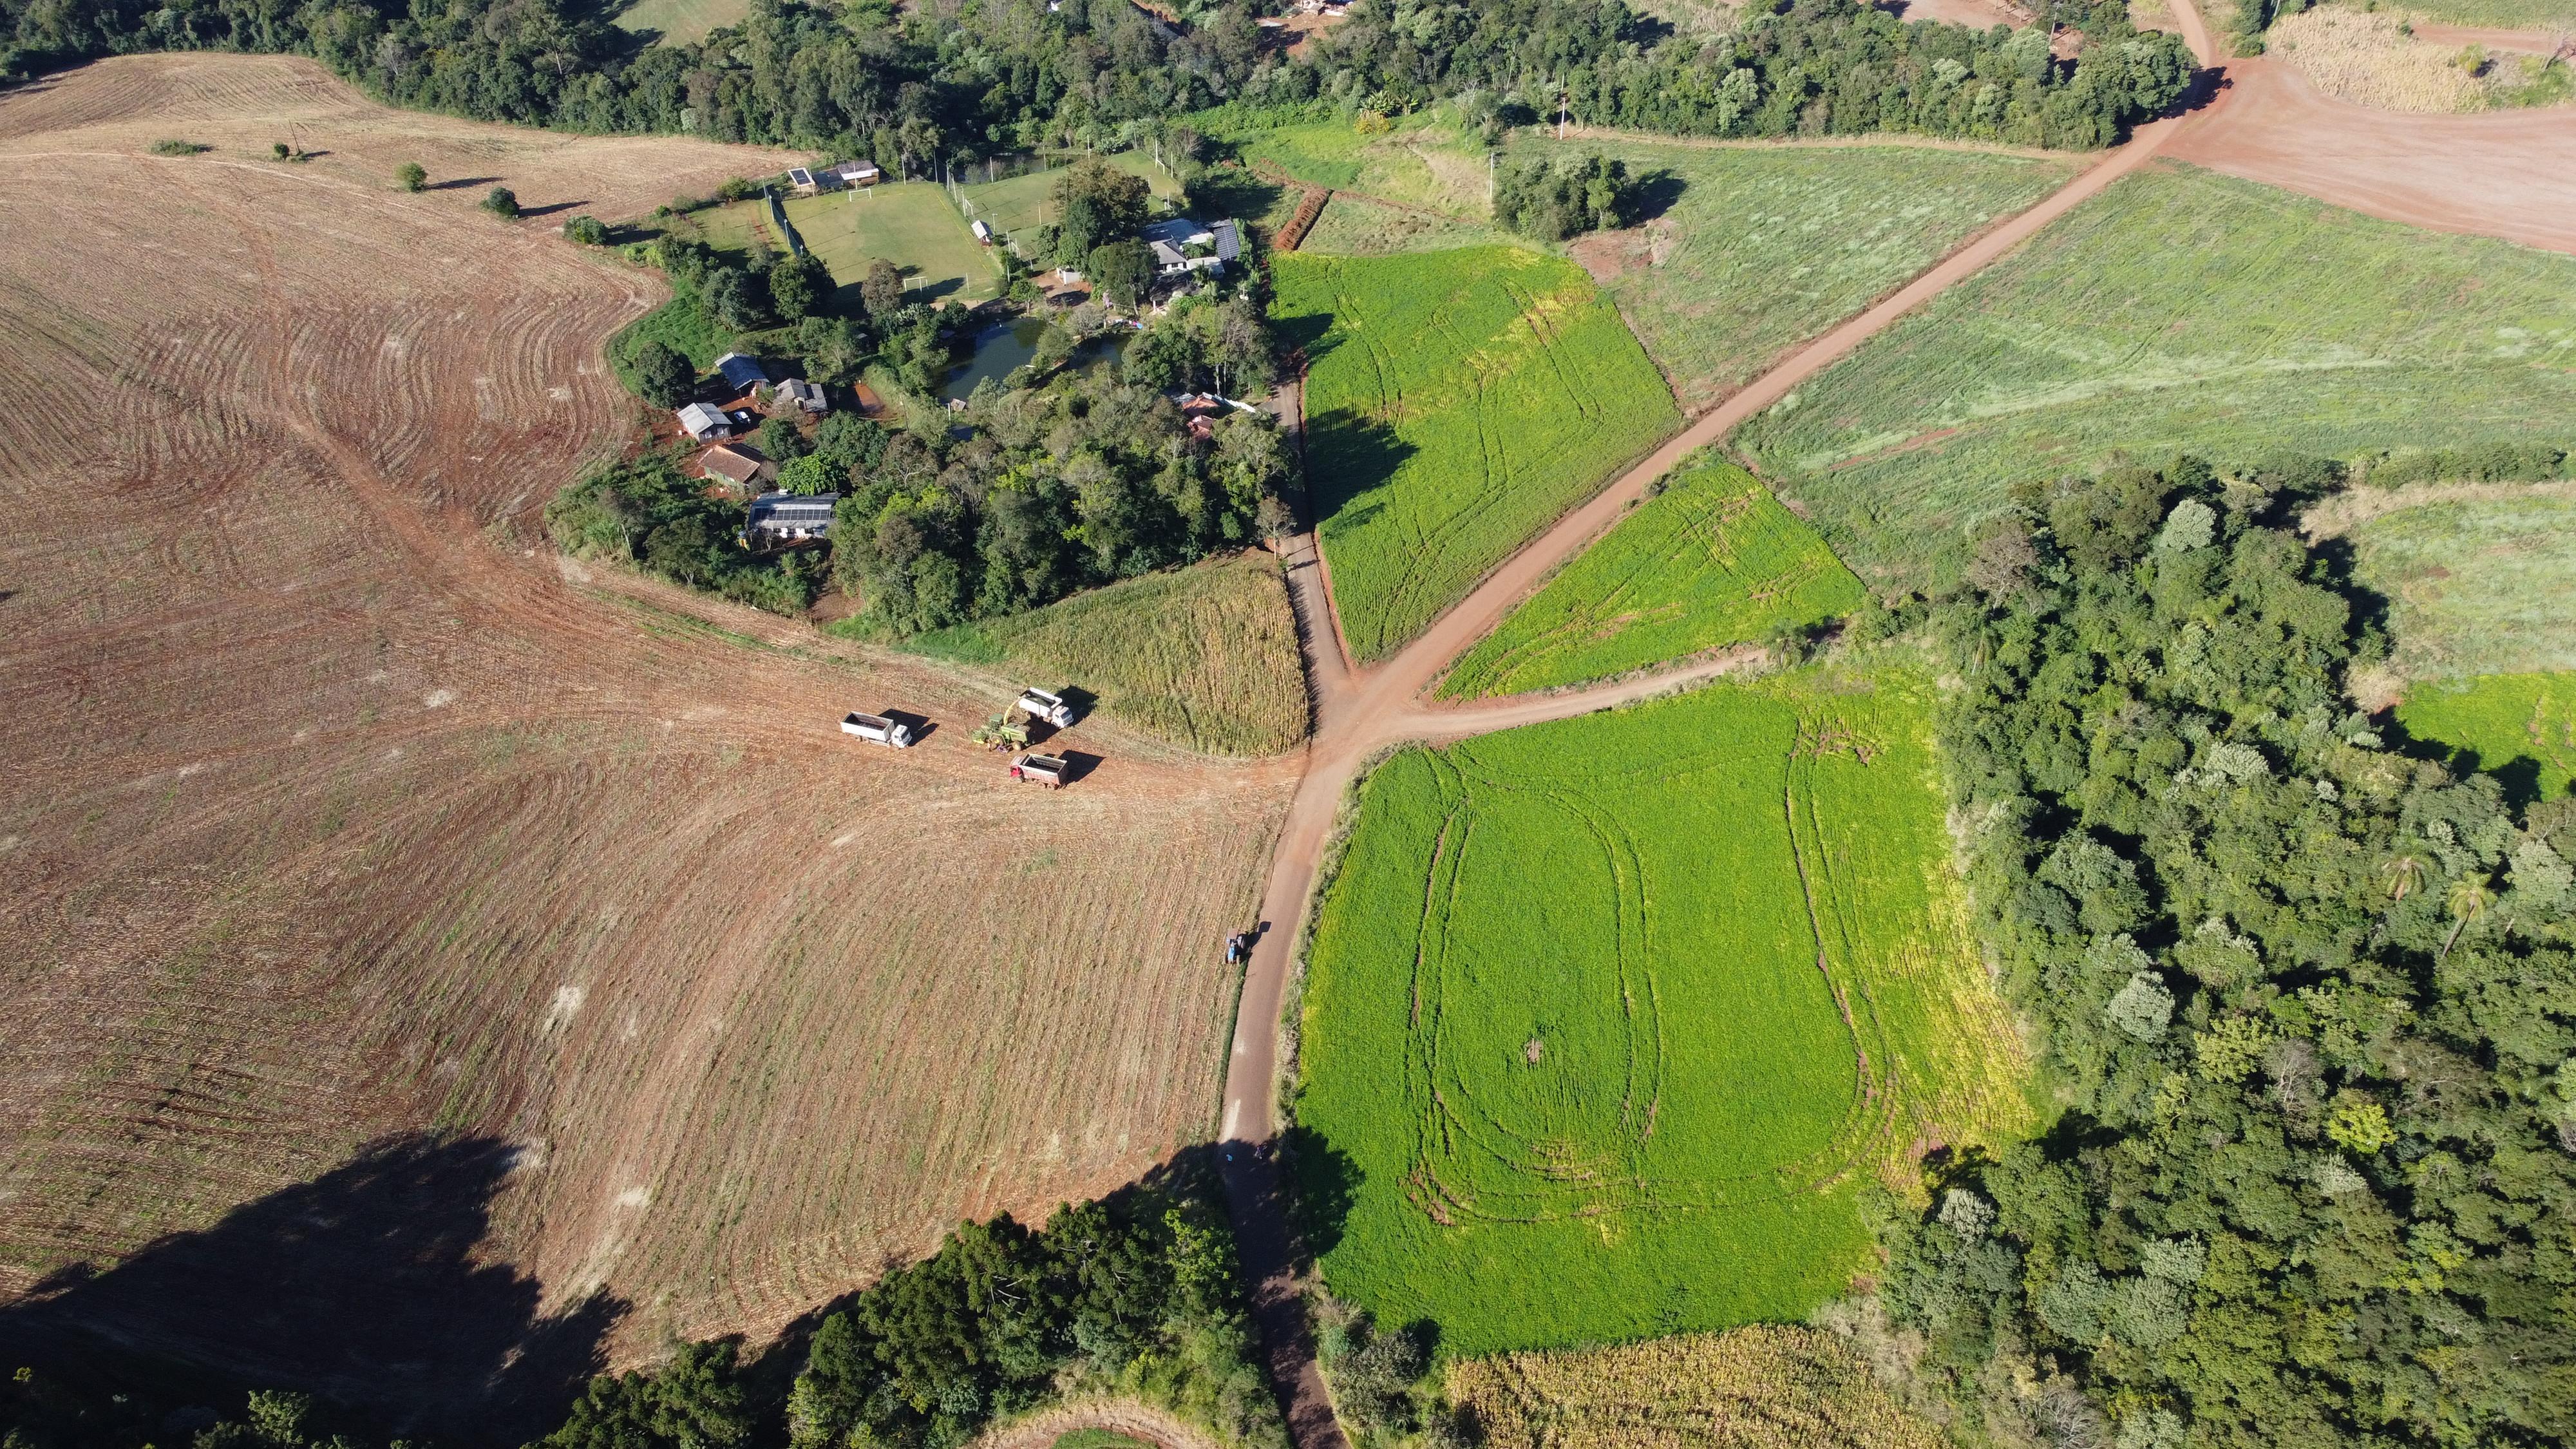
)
(805, 397)
(702, 422)
(802, 181)
(776, 516)
(738, 466)
(982, 232)
(855, 173)
(741, 372)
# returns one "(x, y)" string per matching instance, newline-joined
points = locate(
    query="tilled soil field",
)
(434, 968)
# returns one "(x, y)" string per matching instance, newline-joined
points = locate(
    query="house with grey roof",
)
(702, 422)
(741, 372)
(777, 517)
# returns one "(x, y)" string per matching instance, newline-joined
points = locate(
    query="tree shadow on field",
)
(462, 182)
(1325, 1182)
(362, 1286)
(551, 210)
(1349, 454)
(1657, 193)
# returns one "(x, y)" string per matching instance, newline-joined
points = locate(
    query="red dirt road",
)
(2509, 174)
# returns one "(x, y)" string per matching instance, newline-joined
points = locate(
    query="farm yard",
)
(1204, 657)
(336, 810)
(2180, 310)
(1711, 560)
(2482, 582)
(2521, 727)
(1765, 247)
(1607, 1019)
(1457, 402)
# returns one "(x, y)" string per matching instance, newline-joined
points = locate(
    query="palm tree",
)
(2469, 898)
(2402, 874)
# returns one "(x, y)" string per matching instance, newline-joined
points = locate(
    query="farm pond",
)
(1005, 346)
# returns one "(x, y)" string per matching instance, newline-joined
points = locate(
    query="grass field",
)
(2477, 585)
(1606, 1019)
(682, 22)
(1424, 161)
(2519, 726)
(1457, 402)
(1766, 247)
(907, 223)
(1357, 228)
(1713, 560)
(1205, 657)
(2179, 310)
(1763, 1387)
(1021, 201)
(342, 811)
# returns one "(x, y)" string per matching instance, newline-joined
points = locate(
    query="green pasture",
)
(2477, 585)
(1712, 560)
(1457, 403)
(682, 22)
(1352, 227)
(1606, 1020)
(1424, 160)
(1023, 201)
(2180, 310)
(908, 223)
(2521, 727)
(1759, 249)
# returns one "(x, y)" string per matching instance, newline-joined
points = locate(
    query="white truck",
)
(1047, 770)
(877, 729)
(1037, 704)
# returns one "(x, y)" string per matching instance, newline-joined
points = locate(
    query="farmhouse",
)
(777, 516)
(702, 422)
(805, 397)
(1181, 246)
(741, 373)
(737, 466)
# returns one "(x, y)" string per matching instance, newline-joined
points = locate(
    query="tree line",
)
(2312, 1002)
(934, 85)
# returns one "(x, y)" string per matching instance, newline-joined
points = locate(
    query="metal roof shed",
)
(741, 372)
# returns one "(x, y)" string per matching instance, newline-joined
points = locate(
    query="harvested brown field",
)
(2363, 57)
(434, 967)
(1764, 1387)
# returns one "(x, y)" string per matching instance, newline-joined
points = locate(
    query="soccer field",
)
(1022, 201)
(905, 222)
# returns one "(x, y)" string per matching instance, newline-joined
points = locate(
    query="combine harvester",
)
(878, 729)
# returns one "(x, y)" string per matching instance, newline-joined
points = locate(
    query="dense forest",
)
(1136, 1293)
(967, 78)
(2314, 1001)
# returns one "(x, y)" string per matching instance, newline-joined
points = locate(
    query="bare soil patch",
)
(2509, 174)
(335, 810)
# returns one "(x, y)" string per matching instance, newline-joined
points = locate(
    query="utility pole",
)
(1492, 160)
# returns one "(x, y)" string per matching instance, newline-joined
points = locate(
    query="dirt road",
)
(2509, 174)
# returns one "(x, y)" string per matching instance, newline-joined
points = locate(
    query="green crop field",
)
(1764, 248)
(1713, 560)
(1457, 403)
(2179, 310)
(1020, 201)
(1607, 1019)
(1205, 657)
(2477, 585)
(2519, 726)
(681, 22)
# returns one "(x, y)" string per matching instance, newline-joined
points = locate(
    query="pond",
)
(1008, 345)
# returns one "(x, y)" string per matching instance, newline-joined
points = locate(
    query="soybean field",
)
(1457, 402)
(1607, 1019)
(1711, 560)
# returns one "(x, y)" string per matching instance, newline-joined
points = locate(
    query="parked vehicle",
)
(1006, 731)
(1037, 704)
(1238, 948)
(1047, 770)
(877, 729)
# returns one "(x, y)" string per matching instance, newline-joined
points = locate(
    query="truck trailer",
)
(1047, 770)
(877, 729)
(1037, 704)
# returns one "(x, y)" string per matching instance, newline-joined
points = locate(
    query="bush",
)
(411, 176)
(586, 230)
(1553, 201)
(179, 148)
(800, 287)
(502, 202)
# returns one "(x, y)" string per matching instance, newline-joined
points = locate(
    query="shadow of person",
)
(366, 1286)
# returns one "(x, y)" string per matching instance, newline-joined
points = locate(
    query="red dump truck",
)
(877, 729)
(1047, 770)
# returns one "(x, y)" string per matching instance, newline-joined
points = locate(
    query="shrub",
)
(179, 148)
(586, 230)
(664, 376)
(411, 176)
(502, 202)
